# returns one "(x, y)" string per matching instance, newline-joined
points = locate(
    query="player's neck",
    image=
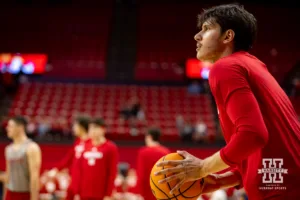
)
(20, 139)
(83, 136)
(227, 51)
(153, 144)
(98, 141)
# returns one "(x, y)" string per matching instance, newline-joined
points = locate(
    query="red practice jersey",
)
(98, 170)
(147, 157)
(260, 127)
(72, 161)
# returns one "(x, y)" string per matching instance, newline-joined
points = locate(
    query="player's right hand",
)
(211, 183)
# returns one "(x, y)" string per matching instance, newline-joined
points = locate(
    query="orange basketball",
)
(189, 190)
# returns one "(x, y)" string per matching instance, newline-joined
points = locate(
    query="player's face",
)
(13, 129)
(96, 131)
(209, 42)
(76, 129)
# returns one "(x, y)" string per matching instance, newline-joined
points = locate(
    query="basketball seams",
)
(168, 198)
(168, 182)
(180, 194)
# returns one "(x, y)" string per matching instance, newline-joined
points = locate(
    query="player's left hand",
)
(189, 169)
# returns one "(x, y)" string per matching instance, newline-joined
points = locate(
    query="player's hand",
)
(107, 198)
(189, 169)
(211, 183)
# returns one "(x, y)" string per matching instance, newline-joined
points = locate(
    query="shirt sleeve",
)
(112, 170)
(66, 162)
(250, 132)
(238, 174)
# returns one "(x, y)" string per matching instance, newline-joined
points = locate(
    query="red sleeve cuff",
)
(237, 173)
(225, 159)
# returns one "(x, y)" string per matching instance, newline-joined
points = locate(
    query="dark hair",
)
(83, 121)
(98, 122)
(20, 120)
(235, 17)
(155, 134)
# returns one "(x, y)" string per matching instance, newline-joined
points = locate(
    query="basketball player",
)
(259, 123)
(23, 162)
(71, 160)
(147, 157)
(98, 164)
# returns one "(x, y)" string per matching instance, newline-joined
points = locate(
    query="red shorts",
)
(17, 195)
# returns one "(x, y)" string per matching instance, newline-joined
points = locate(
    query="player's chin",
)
(203, 57)
(9, 135)
(200, 56)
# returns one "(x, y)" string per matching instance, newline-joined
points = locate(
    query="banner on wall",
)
(195, 69)
(23, 63)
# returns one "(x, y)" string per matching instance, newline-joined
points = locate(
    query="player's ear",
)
(228, 36)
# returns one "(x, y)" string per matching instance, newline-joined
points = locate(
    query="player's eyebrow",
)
(206, 24)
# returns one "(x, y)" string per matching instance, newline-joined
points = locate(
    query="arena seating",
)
(57, 102)
(78, 49)
(162, 47)
(75, 38)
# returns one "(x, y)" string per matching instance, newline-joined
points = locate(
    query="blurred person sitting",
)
(194, 88)
(43, 126)
(31, 128)
(200, 134)
(132, 109)
(187, 132)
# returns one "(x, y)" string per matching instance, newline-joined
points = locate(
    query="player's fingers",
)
(173, 177)
(170, 162)
(177, 186)
(169, 170)
(183, 153)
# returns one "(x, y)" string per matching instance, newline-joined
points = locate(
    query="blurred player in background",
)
(98, 164)
(23, 163)
(71, 160)
(259, 123)
(147, 157)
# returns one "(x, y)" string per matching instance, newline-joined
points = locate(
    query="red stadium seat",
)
(161, 106)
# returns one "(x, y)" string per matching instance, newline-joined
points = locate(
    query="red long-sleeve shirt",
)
(259, 125)
(72, 162)
(98, 170)
(147, 157)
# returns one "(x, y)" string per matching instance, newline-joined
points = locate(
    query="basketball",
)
(189, 190)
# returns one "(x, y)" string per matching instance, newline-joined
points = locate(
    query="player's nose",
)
(197, 37)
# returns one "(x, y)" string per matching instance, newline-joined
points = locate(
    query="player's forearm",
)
(4, 191)
(34, 187)
(214, 164)
(225, 180)
(229, 179)
(222, 181)
(3, 177)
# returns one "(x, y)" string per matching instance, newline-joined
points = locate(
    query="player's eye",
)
(204, 28)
